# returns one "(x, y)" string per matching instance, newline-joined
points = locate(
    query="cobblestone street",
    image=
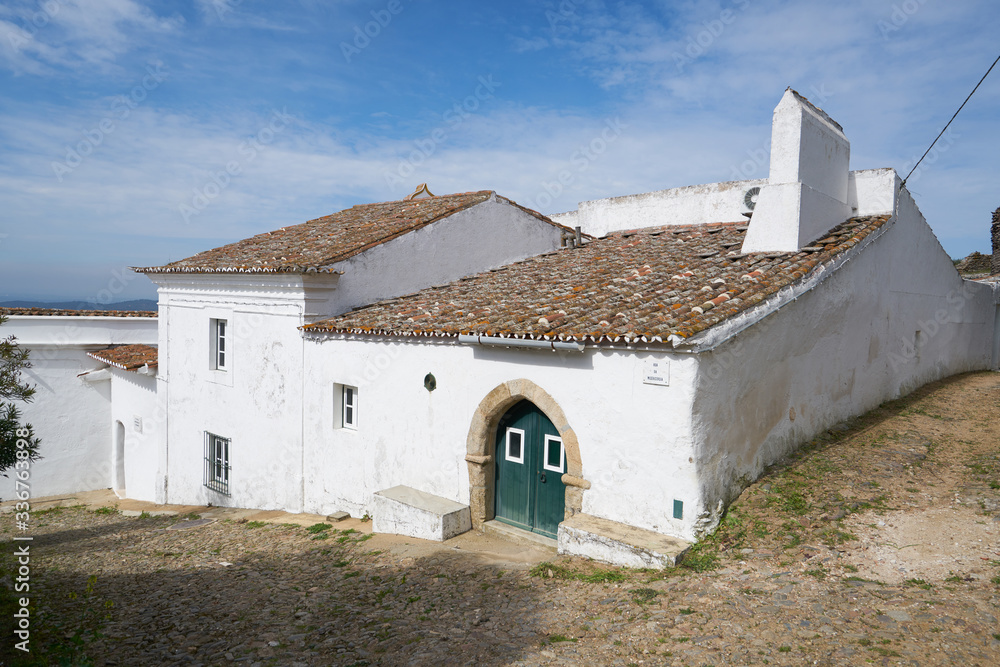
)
(787, 580)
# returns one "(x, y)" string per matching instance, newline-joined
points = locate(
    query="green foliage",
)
(318, 528)
(551, 570)
(644, 595)
(13, 360)
(702, 557)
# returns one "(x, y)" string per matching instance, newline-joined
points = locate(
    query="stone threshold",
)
(507, 532)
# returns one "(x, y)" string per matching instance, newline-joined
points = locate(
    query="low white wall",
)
(869, 193)
(634, 438)
(69, 415)
(691, 205)
(838, 351)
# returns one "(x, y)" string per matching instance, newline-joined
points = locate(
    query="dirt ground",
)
(876, 543)
(910, 490)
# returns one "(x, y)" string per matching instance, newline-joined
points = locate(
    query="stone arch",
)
(479, 446)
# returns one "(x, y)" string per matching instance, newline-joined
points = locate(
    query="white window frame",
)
(562, 456)
(352, 404)
(507, 455)
(220, 339)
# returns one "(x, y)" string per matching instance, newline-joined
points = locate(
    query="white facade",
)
(70, 414)
(257, 402)
(635, 438)
(886, 316)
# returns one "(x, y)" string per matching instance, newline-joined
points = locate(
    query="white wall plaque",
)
(656, 372)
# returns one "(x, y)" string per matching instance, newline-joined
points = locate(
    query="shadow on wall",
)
(555, 359)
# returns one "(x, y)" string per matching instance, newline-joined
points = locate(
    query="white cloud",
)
(75, 34)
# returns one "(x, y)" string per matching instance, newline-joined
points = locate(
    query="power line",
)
(949, 122)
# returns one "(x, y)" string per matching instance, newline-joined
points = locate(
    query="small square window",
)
(220, 344)
(217, 463)
(554, 458)
(349, 402)
(514, 451)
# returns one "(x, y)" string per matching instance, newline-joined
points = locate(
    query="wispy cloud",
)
(691, 84)
(40, 36)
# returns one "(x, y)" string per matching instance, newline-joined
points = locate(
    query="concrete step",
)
(615, 543)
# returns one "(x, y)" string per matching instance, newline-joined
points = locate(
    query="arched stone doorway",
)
(481, 442)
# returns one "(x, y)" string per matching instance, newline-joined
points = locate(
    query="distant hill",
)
(135, 304)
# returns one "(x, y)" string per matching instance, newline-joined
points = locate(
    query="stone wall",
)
(995, 230)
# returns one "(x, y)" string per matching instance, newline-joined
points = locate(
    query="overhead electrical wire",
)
(903, 184)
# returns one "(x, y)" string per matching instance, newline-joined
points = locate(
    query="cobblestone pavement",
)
(785, 581)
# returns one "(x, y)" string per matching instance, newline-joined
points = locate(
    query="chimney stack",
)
(807, 187)
(995, 230)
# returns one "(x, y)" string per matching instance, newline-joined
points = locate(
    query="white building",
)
(71, 410)
(451, 360)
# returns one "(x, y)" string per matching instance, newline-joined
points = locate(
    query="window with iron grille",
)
(217, 463)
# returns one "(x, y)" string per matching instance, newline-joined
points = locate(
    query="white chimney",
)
(806, 191)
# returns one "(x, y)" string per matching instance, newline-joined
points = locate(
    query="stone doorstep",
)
(511, 534)
(618, 544)
(403, 510)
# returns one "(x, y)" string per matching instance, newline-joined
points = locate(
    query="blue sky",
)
(136, 132)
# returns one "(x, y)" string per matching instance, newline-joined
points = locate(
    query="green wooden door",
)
(530, 463)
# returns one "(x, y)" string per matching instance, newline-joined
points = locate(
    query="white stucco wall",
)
(256, 402)
(634, 441)
(479, 238)
(838, 351)
(134, 397)
(69, 415)
(691, 205)
(867, 194)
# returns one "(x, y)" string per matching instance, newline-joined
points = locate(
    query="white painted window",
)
(514, 450)
(220, 344)
(555, 457)
(349, 403)
(217, 463)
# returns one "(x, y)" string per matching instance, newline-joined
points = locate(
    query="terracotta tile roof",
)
(315, 245)
(645, 284)
(56, 312)
(127, 357)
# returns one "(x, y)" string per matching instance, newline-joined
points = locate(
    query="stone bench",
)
(403, 510)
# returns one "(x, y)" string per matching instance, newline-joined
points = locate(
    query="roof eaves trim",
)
(236, 269)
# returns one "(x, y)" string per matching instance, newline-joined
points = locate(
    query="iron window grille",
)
(217, 463)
